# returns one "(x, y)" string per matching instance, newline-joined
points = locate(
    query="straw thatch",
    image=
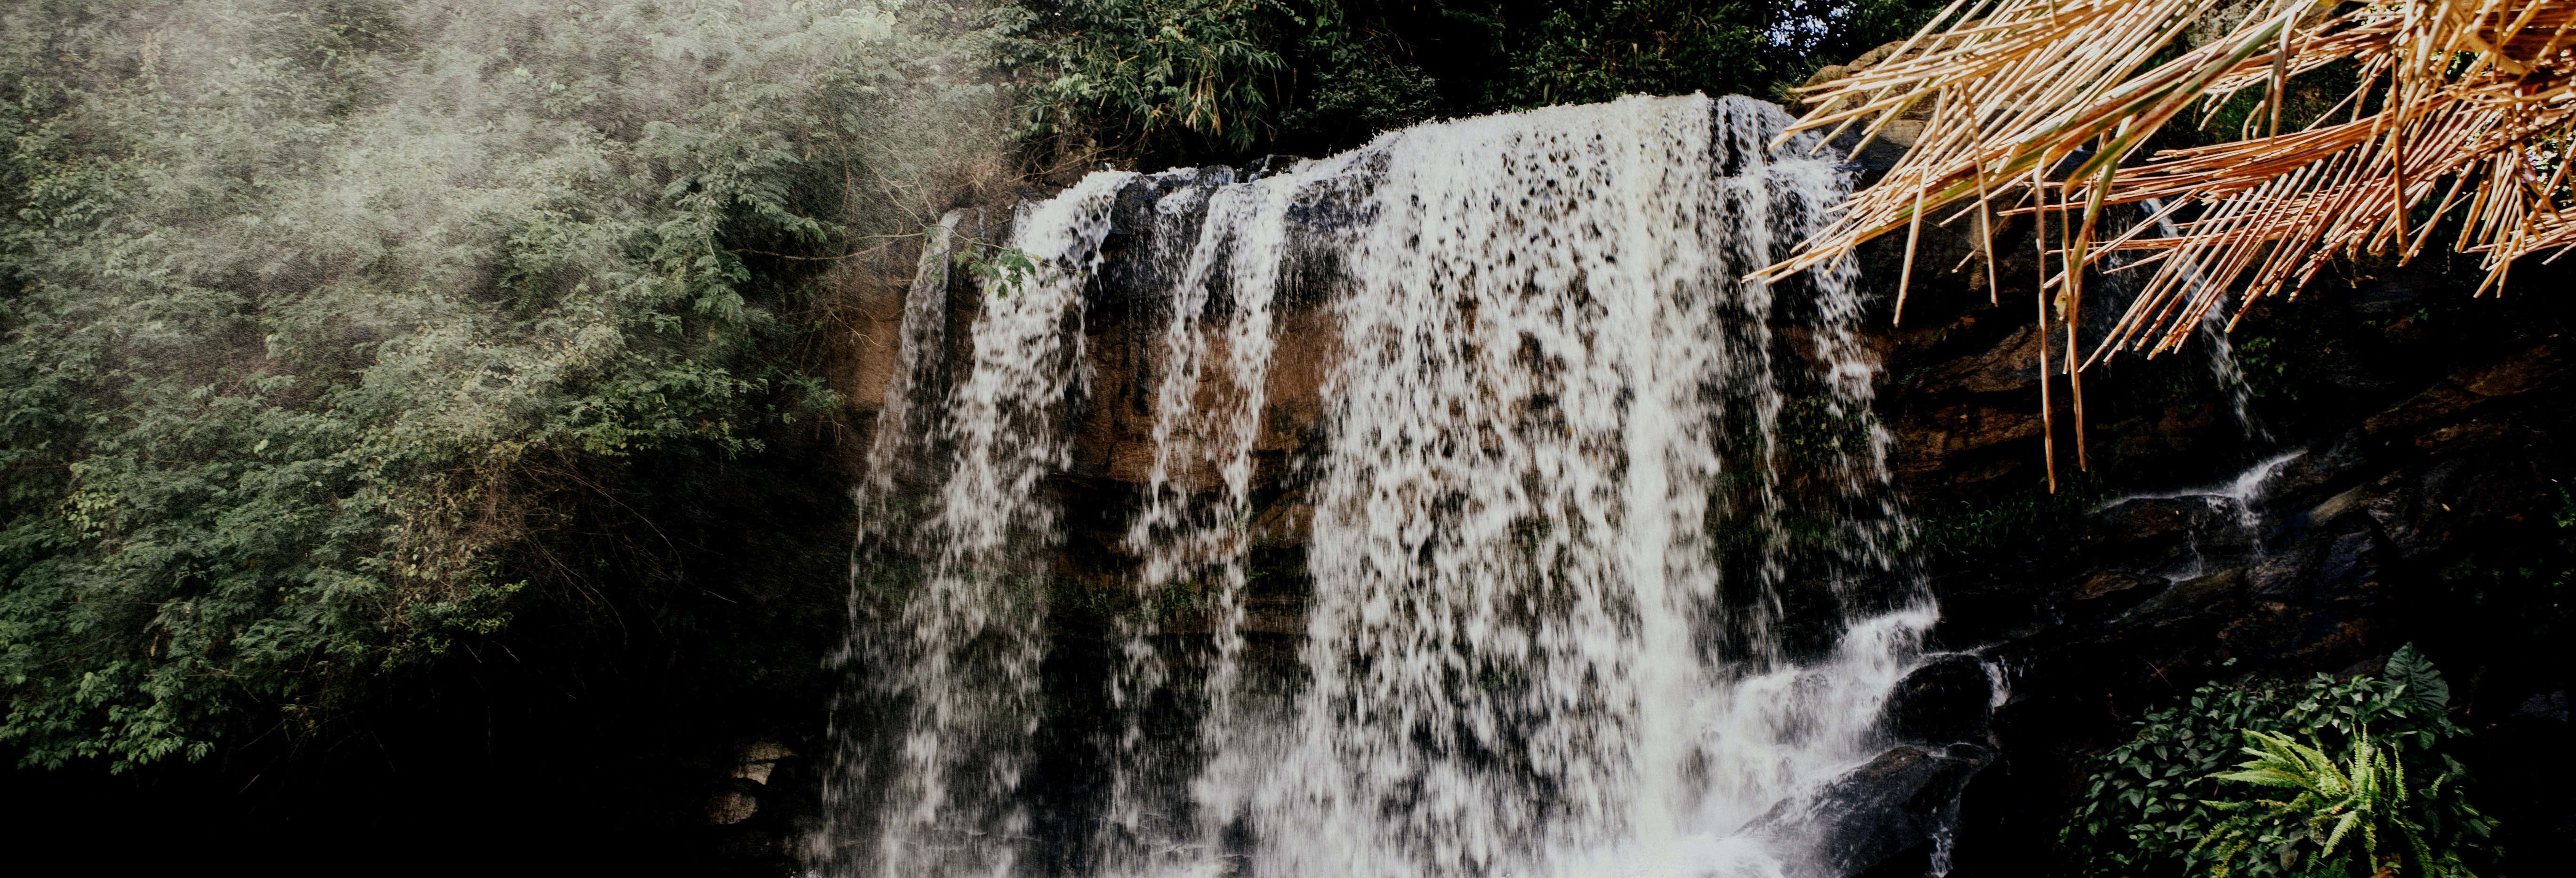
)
(2043, 107)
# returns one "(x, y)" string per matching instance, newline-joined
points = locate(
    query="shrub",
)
(2356, 816)
(2165, 802)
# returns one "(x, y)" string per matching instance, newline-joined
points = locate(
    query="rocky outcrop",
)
(1894, 815)
(2425, 498)
(2422, 430)
(2423, 467)
(1889, 817)
(1901, 131)
(1950, 698)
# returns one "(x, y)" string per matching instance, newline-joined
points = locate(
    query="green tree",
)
(312, 315)
(1193, 80)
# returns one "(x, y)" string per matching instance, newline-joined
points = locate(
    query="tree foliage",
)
(304, 308)
(1189, 80)
(335, 335)
(1150, 67)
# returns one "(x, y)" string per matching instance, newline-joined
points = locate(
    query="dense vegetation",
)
(1196, 80)
(356, 354)
(2347, 776)
(328, 326)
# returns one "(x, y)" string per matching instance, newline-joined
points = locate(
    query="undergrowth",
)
(2165, 802)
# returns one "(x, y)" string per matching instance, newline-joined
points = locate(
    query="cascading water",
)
(2223, 365)
(951, 658)
(1602, 547)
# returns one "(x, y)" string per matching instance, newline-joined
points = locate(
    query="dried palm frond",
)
(2462, 104)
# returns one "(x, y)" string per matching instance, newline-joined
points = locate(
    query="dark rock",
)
(2546, 706)
(2304, 476)
(2521, 372)
(2436, 403)
(2526, 369)
(2011, 365)
(2184, 602)
(1886, 817)
(730, 806)
(2110, 591)
(1971, 426)
(1950, 698)
(759, 759)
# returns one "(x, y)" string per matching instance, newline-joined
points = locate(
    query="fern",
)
(2262, 779)
(2360, 798)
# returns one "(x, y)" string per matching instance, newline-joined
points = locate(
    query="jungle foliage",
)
(2344, 777)
(1221, 80)
(326, 327)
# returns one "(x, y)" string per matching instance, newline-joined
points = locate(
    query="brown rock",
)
(1274, 615)
(2434, 405)
(759, 760)
(1828, 73)
(731, 807)
(875, 337)
(1872, 57)
(1309, 343)
(2009, 366)
(1968, 426)
(1903, 131)
(2523, 372)
(2470, 434)
(1289, 521)
(2112, 584)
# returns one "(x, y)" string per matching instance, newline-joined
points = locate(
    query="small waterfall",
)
(1603, 553)
(2222, 353)
(2223, 366)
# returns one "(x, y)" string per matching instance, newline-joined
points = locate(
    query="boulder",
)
(1887, 817)
(1950, 698)
(758, 759)
(728, 807)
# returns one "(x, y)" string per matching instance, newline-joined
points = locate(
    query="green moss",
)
(1969, 528)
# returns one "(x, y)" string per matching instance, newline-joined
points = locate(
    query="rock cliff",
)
(2381, 461)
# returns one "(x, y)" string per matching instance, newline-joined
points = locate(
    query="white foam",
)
(1531, 651)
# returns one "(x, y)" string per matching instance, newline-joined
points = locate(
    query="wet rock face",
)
(1949, 699)
(2431, 431)
(1889, 817)
(1894, 815)
(2427, 434)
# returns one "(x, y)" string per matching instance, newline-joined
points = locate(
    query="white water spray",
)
(1602, 543)
(2223, 365)
(954, 659)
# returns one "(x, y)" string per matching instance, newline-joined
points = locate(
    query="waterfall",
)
(951, 654)
(2223, 367)
(1603, 558)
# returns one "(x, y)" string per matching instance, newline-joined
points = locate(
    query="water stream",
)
(2223, 366)
(1602, 547)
